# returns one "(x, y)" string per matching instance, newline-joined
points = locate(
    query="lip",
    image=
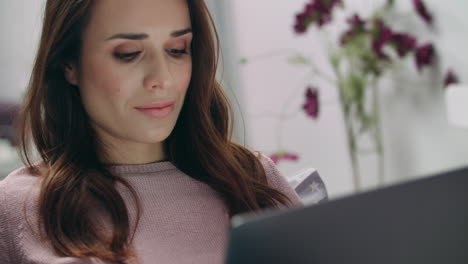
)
(155, 105)
(156, 109)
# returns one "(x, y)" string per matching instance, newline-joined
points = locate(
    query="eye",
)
(177, 52)
(126, 56)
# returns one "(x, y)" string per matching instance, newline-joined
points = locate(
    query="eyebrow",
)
(140, 36)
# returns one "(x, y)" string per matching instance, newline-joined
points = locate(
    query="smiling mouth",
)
(157, 111)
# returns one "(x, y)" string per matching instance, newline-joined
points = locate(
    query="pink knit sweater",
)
(183, 220)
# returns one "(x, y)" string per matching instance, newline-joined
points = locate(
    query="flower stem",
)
(351, 137)
(378, 133)
(352, 148)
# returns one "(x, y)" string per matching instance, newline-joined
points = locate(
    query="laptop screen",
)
(423, 221)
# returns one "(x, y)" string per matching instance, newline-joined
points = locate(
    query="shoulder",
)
(18, 191)
(273, 174)
(13, 193)
(18, 184)
(276, 180)
(17, 188)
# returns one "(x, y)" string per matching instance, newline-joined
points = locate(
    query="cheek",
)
(185, 77)
(102, 81)
(104, 91)
(111, 86)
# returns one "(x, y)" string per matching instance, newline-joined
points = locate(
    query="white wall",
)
(20, 22)
(417, 138)
(228, 72)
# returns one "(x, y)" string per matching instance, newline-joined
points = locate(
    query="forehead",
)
(154, 17)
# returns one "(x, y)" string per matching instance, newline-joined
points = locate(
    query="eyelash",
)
(132, 55)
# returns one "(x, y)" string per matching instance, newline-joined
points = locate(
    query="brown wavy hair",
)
(54, 123)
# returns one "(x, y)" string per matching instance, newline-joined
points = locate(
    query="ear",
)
(71, 73)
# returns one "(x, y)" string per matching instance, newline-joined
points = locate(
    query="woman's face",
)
(134, 71)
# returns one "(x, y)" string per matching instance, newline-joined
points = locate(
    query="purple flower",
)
(356, 21)
(424, 55)
(300, 26)
(357, 26)
(383, 36)
(316, 11)
(287, 156)
(404, 43)
(450, 78)
(311, 106)
(422, 10)
(346, 37)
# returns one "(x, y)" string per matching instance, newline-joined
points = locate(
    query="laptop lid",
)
(424, 221)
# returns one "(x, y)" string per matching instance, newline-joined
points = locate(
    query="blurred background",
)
(263, 74)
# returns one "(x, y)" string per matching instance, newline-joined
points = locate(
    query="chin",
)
(154, 138)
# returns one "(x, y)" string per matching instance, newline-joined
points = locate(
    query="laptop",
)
(423, 221)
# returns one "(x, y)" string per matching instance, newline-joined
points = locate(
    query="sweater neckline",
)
(143, 168)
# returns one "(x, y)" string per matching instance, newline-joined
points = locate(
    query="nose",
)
(158, 74)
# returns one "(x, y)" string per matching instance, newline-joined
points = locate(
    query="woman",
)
(132, 133)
